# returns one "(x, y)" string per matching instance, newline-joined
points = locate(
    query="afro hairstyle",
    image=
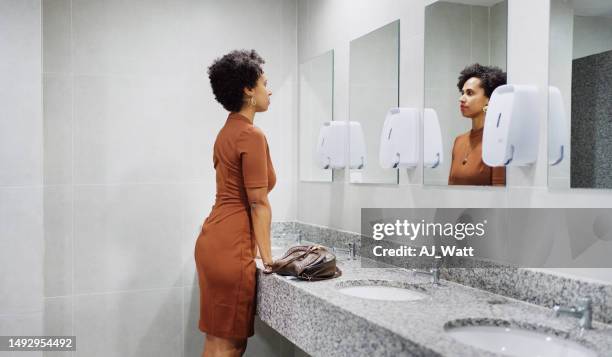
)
(230, 74)
(490, 77)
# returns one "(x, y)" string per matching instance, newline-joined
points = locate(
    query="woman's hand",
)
(268, 268)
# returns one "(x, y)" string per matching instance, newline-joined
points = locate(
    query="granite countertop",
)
(324, 322)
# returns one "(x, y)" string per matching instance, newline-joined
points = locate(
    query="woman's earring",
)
(253, 102)
(484, 109)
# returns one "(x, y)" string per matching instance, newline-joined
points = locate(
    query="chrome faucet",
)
(351, 250)
(433, 272)
(583, 311)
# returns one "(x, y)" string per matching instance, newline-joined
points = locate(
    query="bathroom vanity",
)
(393, 312)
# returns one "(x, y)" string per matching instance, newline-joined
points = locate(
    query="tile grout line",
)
(146, 290)
(72, 213)
(182, 192)
(42, 117)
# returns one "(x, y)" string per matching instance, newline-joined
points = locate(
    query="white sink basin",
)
(387, 293)
(512, 341)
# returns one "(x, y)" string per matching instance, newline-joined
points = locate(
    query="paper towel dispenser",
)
(511, 129)
(357, 147)
(557, 138)
(399, 139)
(331, 145)
(432, 140)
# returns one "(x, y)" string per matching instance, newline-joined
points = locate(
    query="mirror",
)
(580, 100)
(316, 107)
(465, 60)
(373, 90)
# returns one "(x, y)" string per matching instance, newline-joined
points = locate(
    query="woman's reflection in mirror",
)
(476, 84)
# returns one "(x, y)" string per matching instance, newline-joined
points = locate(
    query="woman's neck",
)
(249, 112)
(478, 121)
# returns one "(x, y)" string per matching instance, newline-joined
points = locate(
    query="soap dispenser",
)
(331, 145)
(511, 129)
(398, 139)
(432, 140)
(557, 139)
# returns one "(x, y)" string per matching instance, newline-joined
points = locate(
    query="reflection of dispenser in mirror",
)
(432, 140)
(511, 127)
(331, 145)
(398, 139)
(557, 139)
(357, 146)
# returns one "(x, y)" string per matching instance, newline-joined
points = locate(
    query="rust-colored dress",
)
(467, 167)
(225, 248)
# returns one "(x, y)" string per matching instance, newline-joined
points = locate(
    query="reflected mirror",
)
(580, 97)
(316, 107)
(465, 60)
(373, 90)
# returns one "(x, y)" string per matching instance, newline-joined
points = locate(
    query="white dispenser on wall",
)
(331, 146)
(557, 138)
(399, 139)
(357, 147)
(511, 129)
(432, 140)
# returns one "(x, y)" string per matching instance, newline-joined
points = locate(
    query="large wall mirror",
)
(316, 107)
(465, 60)
(373, 90)
(580, 108)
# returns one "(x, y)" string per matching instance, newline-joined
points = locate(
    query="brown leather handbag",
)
(307, 262)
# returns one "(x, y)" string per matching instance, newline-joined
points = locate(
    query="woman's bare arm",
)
(261, 214)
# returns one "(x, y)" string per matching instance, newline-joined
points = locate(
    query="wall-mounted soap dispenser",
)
(432, 140)
(357, 146)
(399, 139)
(511, 129)
(557, 132)
(331, 146)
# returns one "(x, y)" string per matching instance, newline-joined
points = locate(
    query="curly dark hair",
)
(490, 77)
(231, 73)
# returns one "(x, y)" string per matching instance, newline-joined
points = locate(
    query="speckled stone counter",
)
(528, 285)
(324, 322)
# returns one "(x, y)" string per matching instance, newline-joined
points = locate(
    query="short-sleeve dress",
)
(225, 248)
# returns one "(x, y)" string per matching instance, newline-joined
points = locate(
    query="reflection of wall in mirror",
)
(576, 40)
(457, 35)
(373, 89)
(315, 108)
(591, 133)
(560, 73)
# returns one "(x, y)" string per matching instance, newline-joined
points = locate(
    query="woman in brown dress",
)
(476, 84)
(239, 222)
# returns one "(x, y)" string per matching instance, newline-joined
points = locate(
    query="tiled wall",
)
(21, 170)
(128, 127)
(129, 124)
(331, 24)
